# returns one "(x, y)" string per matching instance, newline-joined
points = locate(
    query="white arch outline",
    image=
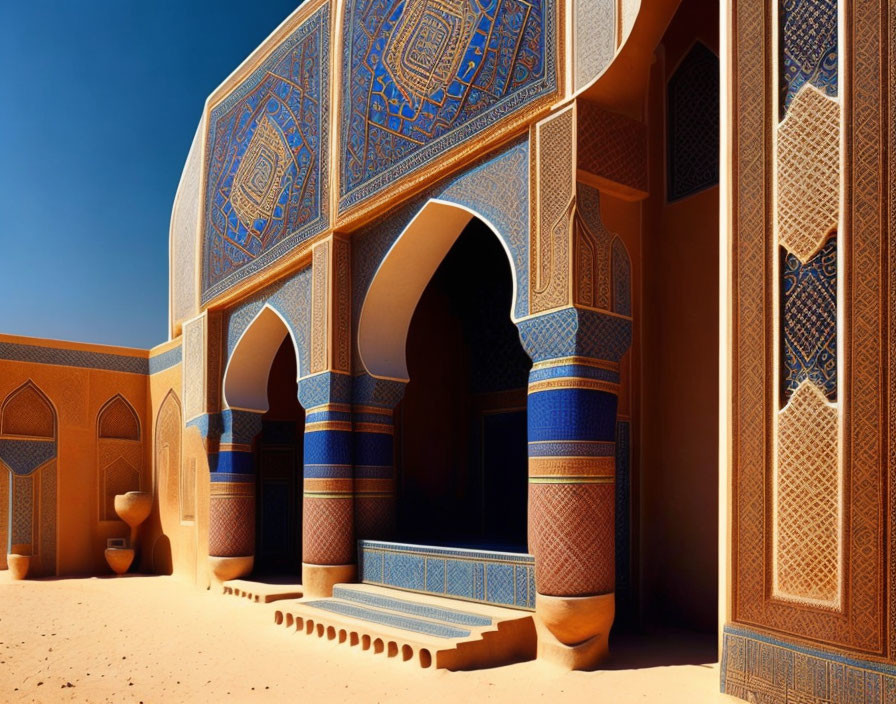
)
(384, 347)
(247, 389)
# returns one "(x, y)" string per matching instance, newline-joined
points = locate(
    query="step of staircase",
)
(261, 592)
(426, 630)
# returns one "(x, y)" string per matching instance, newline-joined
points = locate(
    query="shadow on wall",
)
(161, 560)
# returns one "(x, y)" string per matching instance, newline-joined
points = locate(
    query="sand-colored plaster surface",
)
(154, 639)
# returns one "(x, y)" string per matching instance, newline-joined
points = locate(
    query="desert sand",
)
(154, 639)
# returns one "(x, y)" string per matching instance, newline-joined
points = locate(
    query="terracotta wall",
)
(175, 537)
(78, 394)
(679, 333)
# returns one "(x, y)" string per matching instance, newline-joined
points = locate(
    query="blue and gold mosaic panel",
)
(809, 48)
(422, 77)
(266, 160)
(809, 330)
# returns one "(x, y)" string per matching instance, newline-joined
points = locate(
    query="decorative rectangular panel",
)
(809, 428)
(422, 78)
(488, 576)
(266, 179)
(554, 200)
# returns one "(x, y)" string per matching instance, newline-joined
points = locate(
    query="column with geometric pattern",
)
(328, 516)
(578, 328)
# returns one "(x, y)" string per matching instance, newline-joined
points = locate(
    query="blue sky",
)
(99, 101)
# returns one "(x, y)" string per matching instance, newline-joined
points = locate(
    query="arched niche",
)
(400, 281)
(27, 412)
(117, 420)
(28, 427)
(248, 369)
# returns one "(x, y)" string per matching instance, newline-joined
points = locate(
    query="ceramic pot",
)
(18, 565)
(133, 507)
(119, 559)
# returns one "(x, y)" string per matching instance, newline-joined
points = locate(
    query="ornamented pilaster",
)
(328, 523)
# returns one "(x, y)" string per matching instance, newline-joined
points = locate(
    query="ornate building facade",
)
(575, 308)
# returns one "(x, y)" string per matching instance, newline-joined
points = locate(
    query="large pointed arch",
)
(401, 279)
(246, 376)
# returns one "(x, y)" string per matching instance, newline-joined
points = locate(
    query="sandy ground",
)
(152, 639)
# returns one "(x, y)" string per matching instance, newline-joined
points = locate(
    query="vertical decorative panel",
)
(808, 173)
(809, 470)
(184, 238)
(320, 296)
(692, 124)
(46, 547)
(342, 305)
(595, 29)
(555, 189)
(5, 480)
(807, 484)
(808, 31)
(203, 360)
(809, 321)
(807, 553)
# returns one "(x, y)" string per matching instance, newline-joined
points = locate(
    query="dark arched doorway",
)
(278, 549)
(461, 426)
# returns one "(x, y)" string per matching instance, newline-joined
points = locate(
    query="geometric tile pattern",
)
(808, 172)
(231, 530)
(809, 321)
(5, 484)
(572, 528)
(25, 456)
(554, 195)
(611, 147)
(595, 27)
(184, 234)
(266, 160)
(328, 530)
(808, 46)
(623, 510)
(84, 359)
(497, 187)
(23, 511)
(291, 298)
(46, 547)
(27, 412)
(118, 420)
(693, 124)
(622, 279)
(473, 575)
(165, 360)
(422, 77)
(865, 622)
(807, 566)
(761, 668)
(573, 332)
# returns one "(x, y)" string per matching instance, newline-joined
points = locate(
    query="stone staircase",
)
(261, 592)
(422, 629)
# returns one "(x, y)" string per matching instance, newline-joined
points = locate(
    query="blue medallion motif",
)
(266, 160)
(421, 77)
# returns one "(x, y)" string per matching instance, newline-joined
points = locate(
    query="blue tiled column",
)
(374, 401)
(328, 530)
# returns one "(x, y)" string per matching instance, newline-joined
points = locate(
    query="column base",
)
(227, 568)
(318, 580)
(573, 631)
